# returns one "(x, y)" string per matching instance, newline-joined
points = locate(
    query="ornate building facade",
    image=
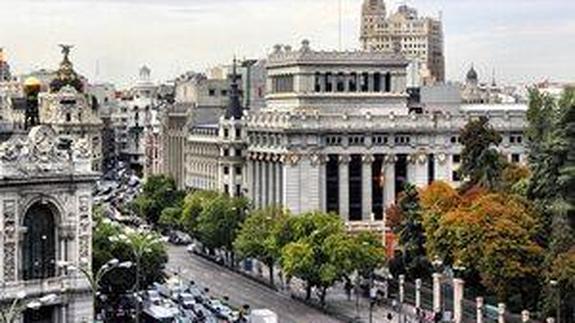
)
(337, 135)
(45, 225)
(419, 39)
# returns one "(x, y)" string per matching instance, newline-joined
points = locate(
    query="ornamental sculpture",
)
(39, 154)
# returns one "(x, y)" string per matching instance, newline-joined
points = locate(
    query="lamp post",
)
(95, 279)
(140, 244)
(437, 286)
(555, 284)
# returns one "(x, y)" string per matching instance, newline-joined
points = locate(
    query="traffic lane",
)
(241, 290)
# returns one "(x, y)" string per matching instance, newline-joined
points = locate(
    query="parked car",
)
(152, 297)
(186, 300)
(179, 238)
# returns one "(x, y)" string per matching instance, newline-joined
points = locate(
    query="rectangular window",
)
(226, 170)
(238, 170)
(355, 192)
(515, 158)
(332, 183)
(212, 92)
(455, 177)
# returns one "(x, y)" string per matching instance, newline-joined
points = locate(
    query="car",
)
(186, 300)
(179, 238)
(152, 297)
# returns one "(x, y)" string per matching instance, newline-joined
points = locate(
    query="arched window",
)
(39, 247)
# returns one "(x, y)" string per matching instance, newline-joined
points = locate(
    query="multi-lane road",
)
(241, 290)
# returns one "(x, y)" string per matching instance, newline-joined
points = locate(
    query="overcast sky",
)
(522, 40)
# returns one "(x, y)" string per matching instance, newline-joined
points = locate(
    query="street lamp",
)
(555, 284)
(95, 279)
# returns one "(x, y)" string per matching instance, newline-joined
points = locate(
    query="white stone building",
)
(419, 39)
(46, 227)
(336, 135)
(135, 118)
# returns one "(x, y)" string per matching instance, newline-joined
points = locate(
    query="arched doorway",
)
(39, 245)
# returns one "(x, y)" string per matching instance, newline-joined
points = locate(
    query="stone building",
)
(420, 39)
(136, 120)
(337, 135)
(201, 100)
(214, 156)
(45, 226)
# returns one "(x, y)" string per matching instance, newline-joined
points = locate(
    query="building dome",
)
(472, 75)
(32, 81)
(32, 85)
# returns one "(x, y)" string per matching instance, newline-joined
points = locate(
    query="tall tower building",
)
(419, 39)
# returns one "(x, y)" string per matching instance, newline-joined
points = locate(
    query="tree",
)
(481, 162)
(319, 252)
(258, 237)
(411, 235)
(494, 237)
(219, 222)
(171, 218)
(368, 253)
(114, 241)
(193, 205)
(159, 192)
(552, 184)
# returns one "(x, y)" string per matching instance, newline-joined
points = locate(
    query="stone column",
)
(525, 317)
(501, 313)
(366, 187)
(344, 187)
(436, 292)
(278, 187)
(458, 284)
(418, 293)
(273, 183)
(401, 288)
(389, 181)
(479, 303)
(370, 84)
(258, 184)
(267, 184)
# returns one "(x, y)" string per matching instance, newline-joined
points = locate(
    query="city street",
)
(241, 290)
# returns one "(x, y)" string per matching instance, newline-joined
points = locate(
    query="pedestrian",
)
(348, 286)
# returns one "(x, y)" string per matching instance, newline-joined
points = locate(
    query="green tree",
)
(552, 184)
(258, 237)
(159, 192)
(171, 218)
(411, 235)
(192, 207)
(219, 222)
(113, 241)
(481, 162)
(320, 252)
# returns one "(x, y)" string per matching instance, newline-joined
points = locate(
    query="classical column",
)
(258, 184)
(344, 186)
(418, 293)
(479, 303)
(366, 187)
(436, 292)
(501, 313)
(421, 170)
(278, 183)
(389, 181)
(401, 288)
(525, 317)
(266, 186)
(458, 284)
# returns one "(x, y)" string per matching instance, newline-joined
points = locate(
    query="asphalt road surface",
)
(241, 290)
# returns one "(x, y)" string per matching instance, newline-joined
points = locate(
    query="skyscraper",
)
(419, 39)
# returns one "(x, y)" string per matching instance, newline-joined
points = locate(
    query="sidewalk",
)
(350, 309)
